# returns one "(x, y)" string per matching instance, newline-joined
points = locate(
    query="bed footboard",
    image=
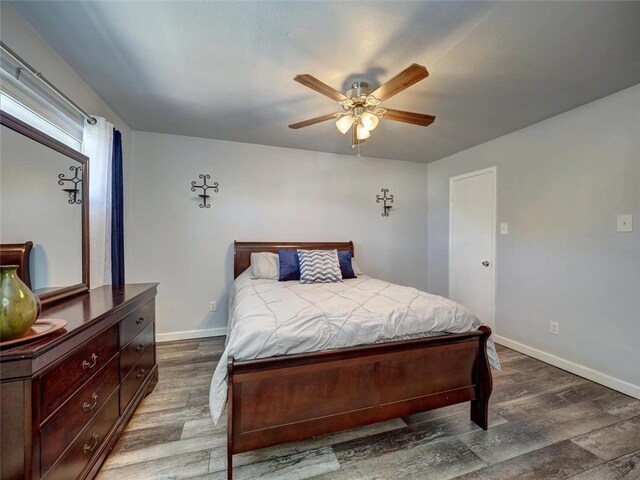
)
(296, 397)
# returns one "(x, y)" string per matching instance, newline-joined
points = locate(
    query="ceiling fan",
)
(361, 110)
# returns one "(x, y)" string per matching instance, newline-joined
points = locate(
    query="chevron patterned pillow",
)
(319, 266)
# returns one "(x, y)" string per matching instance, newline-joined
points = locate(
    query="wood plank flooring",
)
(545, 423)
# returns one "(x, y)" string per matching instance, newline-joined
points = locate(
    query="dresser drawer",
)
(72, 417)
(69, 374)
(135, 322)
(78, 455)
(133, 352)
(136, 377)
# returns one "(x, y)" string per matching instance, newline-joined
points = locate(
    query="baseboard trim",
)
(586, 372)
(188, 334)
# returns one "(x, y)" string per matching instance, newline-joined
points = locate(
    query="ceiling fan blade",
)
(421, 119)
(320, 87)
(400, 82)
(313, 121)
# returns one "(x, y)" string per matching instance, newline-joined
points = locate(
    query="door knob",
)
(485, 263)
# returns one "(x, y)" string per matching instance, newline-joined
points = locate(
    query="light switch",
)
(625, 223)
(504, 228)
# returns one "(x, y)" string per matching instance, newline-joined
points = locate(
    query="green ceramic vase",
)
(20, 306)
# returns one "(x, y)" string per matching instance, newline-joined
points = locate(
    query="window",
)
(21, 112)
(23, 96)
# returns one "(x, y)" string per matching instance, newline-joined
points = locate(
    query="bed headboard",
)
(243, 250)
(17, 254)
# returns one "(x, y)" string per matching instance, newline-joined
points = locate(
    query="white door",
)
(472, 226)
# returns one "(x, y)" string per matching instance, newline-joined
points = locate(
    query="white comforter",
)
(268, 318)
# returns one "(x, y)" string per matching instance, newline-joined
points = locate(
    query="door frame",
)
(493, 172)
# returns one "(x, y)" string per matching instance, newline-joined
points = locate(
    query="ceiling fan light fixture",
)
(344, 123)
(369, 120)
(362, 132)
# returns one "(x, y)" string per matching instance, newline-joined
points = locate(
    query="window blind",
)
(26, 98)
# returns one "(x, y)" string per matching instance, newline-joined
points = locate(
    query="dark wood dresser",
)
(66, 398)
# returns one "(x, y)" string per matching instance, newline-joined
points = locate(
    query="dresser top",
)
(82, 312)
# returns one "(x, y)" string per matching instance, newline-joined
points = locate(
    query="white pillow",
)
(265, 265)
(356, 269)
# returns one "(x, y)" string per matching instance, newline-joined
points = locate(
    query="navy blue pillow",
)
(289, 264)
(344, 257)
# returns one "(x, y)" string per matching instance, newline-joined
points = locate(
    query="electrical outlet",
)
(212, 306)
(554, 327)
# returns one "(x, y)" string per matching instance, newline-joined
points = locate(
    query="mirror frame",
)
(27, 130)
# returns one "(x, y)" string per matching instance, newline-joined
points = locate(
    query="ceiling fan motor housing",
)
(358, 89)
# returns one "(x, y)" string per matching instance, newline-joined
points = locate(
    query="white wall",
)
(561, 184)
(266, 193)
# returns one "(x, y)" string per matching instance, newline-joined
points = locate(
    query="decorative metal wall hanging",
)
(73, 189)
(384, 199)
(205, 198)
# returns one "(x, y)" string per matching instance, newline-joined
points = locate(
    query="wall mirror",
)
(44, 199)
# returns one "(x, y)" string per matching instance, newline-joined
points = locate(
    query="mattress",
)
(269, 318)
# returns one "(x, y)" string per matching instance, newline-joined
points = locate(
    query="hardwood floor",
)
(545, 423)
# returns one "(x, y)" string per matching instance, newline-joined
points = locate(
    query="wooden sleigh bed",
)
(295, 397)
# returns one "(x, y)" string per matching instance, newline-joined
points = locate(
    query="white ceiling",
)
(225, 69)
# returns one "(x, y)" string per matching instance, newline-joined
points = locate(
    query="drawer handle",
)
(88, 448)
(139, 321)
(87, 407)
(140, 373)
(140, 347)
(86, 365)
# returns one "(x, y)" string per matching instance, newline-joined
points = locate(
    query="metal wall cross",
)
(205, 198)
(384, 199)
(73, 190)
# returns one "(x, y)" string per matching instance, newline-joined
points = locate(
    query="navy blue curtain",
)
(117, 213)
